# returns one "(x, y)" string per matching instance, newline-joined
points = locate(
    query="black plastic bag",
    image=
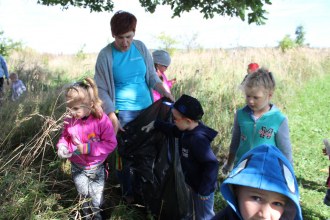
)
(155, 161)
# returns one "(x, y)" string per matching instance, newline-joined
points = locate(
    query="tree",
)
(190, 41)
(209, 8)
(286, 43)
(300, 36)
(7, 45)
(167, 41)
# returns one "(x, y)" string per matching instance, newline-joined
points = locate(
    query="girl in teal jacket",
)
(259, 122)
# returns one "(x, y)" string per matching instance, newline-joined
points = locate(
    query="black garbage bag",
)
(154, 158)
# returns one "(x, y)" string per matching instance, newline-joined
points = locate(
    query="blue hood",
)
(266, 168)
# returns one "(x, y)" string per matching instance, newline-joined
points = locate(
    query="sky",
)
(53, 30)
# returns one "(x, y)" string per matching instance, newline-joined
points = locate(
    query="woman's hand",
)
(115, 122)
(162, 91)
(226, 169)
(169, 95)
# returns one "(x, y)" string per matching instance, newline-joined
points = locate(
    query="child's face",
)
(258, 99)
(180, 121)
(260, 204)
(13, 78)
(161, 68)
(79, 110)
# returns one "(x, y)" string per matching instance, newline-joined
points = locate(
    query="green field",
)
(35, 184)
(309, 123)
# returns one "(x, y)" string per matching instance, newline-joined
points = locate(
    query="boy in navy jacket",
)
(199, 164)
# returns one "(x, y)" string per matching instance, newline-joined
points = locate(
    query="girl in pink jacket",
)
(86, 140)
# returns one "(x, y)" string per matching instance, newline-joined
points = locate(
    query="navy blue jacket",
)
(199, 164)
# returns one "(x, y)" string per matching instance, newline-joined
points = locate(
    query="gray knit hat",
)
(161, 57)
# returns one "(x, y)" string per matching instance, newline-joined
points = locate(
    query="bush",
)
(287, 43)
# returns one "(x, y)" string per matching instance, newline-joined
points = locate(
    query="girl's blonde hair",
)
(262, 77)
(85, 92)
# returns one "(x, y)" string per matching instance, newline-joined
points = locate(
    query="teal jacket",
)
(271, 128)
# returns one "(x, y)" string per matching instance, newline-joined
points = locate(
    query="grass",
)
(309, 123)
(35, 184)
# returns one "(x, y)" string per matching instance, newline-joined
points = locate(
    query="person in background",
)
(3, 73)
(17, 86)
(87, 139)
(252, 67)
(199, 164)
(261, 186)
(162, 60)
(259, 122)
(326, 151)
(125, 76)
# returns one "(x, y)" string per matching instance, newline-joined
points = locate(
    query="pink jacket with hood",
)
(97, 134)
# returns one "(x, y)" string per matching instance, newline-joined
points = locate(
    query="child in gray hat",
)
(162, 60)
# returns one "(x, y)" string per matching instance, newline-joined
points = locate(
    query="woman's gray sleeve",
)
(103, 82)
(152, 77)
(235, 138)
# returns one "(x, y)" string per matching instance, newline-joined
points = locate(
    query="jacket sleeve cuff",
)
(87, 148)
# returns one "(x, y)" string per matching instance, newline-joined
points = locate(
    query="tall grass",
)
(30, 127)
(214, 77)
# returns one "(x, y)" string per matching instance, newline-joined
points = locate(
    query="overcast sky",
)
(50, 29)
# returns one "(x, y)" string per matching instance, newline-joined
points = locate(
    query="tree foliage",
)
(190, 41)
(287, 43)
(253, 10)
(7, 45)
(167, 42)
(300, 35)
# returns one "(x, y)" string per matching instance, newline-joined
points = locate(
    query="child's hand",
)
(226, 169)
(148, 127)
(63, 152)
(173, 81)
(327, 147)
(204, 198)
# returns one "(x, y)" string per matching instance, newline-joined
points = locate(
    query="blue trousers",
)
(125, 175)
(203, 208)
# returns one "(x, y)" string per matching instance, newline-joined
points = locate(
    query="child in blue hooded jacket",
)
(261, 186)
(199, 164)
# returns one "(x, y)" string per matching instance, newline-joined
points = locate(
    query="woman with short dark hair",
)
(125, 76)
